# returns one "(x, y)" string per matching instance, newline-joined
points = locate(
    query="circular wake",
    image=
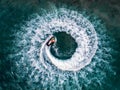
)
(79, 28)
(86, 68)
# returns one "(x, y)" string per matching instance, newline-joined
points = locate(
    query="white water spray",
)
(80, 29)
(42, 67)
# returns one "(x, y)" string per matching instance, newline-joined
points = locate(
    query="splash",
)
(79, 28)
(83, 70)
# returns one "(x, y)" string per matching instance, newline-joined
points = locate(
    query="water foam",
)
(42, 68)
(80, 29)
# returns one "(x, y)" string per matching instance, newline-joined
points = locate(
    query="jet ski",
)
(51, 41)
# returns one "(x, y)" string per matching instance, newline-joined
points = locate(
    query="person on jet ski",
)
(51, 41)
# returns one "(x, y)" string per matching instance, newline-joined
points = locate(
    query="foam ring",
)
(80, 29)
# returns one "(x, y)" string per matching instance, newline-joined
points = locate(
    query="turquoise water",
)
(18, 71)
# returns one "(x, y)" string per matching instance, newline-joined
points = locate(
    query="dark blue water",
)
(65, 44)
(15, 13)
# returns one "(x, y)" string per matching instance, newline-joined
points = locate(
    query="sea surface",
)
(18, 71)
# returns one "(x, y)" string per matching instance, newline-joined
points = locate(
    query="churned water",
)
(83, 57)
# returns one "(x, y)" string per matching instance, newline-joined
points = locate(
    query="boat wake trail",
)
(40, 67)
(79, 28)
